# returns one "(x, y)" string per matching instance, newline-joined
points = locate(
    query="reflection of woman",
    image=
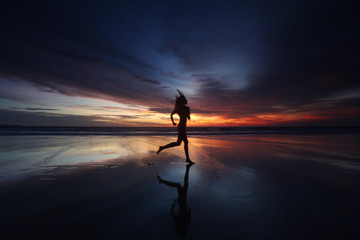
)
(182, 217)
(184, 113)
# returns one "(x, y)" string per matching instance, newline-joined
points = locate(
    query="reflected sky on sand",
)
(252, 187)
(24, 155)
(21, 156)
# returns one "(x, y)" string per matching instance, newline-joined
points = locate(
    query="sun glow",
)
(256, 120)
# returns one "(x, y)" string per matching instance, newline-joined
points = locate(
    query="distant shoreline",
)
(136, 131)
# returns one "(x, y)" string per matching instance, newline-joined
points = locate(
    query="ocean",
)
(159, 131)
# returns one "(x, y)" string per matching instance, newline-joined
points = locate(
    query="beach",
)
(272, 186)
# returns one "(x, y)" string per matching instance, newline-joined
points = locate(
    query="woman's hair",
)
(180, 100)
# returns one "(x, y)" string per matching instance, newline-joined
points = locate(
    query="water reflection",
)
(181, 216)
(25, 156)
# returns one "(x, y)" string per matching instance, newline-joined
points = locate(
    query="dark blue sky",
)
(118, 63)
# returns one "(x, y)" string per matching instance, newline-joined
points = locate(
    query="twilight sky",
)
(239, 63)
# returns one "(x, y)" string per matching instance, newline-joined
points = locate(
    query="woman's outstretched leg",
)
(173, 144)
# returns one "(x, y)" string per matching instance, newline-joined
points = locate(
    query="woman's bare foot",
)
(160, 149)
(189, 161)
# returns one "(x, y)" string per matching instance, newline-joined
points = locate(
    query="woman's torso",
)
(184, 113)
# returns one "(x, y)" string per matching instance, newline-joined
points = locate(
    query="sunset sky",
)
(239, 63)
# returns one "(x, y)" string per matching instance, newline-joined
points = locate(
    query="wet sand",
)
(241, 187)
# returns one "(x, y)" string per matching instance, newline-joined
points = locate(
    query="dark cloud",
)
(231, 58)
(48, 45)
(27, 118)
(162, 110)
(34, 118)
(150, 81)
(34, 109)
(309, 55)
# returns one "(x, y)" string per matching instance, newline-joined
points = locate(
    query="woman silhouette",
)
(184, 113)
